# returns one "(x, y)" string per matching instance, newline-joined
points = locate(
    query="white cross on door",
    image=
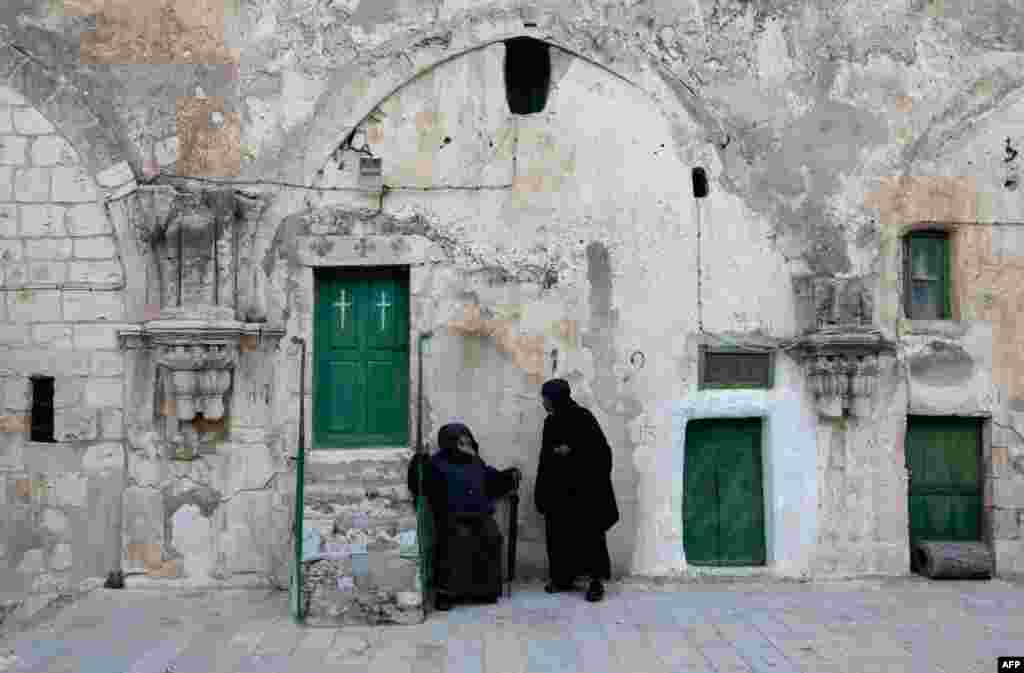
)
(383, 305)
(343, 305)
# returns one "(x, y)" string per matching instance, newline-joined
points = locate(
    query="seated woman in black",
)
(461, 490)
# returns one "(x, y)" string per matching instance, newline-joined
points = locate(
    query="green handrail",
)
(297, 604)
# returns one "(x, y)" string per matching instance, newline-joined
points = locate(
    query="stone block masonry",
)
(632, 271)
(60, 298)
(52, 229)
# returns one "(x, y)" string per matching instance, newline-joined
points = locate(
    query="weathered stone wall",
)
(62, 285)
(567, 242)
(519, 230)
(967, 185)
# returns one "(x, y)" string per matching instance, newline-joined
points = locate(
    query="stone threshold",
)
(246, 581)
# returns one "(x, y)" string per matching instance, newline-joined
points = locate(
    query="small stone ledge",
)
(950, 329)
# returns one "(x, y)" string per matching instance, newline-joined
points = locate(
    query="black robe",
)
(466, 546)
(575, 494)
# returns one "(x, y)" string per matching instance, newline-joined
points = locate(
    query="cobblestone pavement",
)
(864, 626)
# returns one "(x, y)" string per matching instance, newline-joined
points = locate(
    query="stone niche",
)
(839, 346)
(211, 308)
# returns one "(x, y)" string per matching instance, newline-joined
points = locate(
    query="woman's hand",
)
(562, 449)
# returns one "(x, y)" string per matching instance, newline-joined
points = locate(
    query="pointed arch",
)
(356, 90)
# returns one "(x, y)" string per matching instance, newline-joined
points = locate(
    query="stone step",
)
(370, 470)
(355, 494)
(332, 525)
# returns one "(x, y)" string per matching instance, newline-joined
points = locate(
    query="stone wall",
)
(62, 285)
(518, 232)
(969, 365)
(562, 243)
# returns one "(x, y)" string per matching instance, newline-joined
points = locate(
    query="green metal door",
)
(943, 456)
(723, 502)
(361, 351)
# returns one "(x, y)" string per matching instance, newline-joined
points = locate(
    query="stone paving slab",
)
(896, 626)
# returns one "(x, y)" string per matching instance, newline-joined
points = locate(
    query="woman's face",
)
(548, 407)
(466, 445)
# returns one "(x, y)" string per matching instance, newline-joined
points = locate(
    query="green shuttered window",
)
(926, 276)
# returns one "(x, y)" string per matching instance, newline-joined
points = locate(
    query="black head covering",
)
(558, 392)
(448, 437)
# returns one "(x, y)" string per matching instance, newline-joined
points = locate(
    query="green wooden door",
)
(361, 352)
(943, 456)
(723, 502)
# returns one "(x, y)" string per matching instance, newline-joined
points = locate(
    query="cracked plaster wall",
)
(828, 128)
(542, 245)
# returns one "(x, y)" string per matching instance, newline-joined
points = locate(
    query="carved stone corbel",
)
(842, 368)
(211, 303)
(840, 348)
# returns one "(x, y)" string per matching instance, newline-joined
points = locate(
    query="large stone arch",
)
(355, 91)
(56, 95)
(105, 157)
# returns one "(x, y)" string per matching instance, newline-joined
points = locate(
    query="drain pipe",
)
(298, 605)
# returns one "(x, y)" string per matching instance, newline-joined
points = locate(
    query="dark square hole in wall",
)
(700, 182)
(527, 75)
(42, 409)
(369, 167)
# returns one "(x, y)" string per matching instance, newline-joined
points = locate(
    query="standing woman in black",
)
(574, 492)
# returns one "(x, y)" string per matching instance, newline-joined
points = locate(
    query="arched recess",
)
(361, 89)
(353, 92)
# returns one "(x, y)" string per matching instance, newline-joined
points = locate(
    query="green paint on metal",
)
(361, 348)
(943, 457)
(297, 603)
(723, 502)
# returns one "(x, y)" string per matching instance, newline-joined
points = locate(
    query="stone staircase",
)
(360, 507)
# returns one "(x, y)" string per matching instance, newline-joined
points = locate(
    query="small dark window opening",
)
(734, 369)
(42, 409)
(527, 75)
(926, 276)
(700, 183)
(369, 166)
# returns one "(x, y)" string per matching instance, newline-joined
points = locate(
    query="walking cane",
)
(423, 525)
(513, 533)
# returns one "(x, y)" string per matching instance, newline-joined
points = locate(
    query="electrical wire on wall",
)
(699, 179)
(700, 191)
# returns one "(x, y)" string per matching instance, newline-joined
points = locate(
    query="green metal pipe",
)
(298, 605)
